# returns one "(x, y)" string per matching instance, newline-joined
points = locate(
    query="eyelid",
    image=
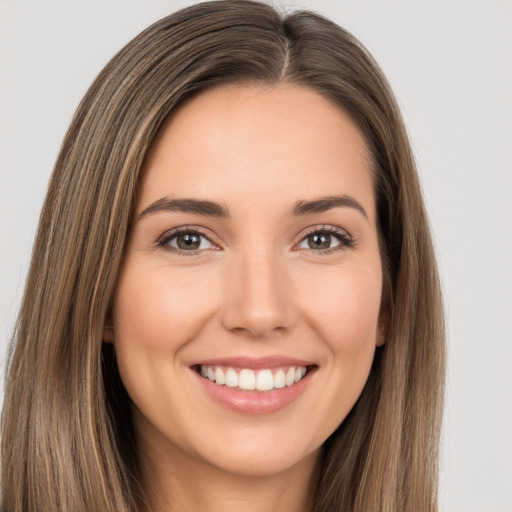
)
(346, 240)
(344, 237)
(325, 228)
(164, 239)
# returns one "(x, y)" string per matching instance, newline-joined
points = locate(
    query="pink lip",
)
(254, 363)
(254, 402)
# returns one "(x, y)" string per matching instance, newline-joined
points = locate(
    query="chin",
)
(263, 464)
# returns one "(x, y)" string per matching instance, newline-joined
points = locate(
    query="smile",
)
(265, 379)
(254, 386)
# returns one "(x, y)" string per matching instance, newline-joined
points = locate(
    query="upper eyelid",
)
(326, 227)
(186, 229)
(342, 234)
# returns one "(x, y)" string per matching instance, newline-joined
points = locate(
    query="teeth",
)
(246, 379)
(265, 380)
(279, 379)
(219, 376)
(290, 377)
(231, 378)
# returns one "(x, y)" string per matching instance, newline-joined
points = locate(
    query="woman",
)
(233, 301)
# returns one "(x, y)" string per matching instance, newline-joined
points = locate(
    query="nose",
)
(259, 299)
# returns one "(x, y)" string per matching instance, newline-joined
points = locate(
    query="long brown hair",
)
(67, 433)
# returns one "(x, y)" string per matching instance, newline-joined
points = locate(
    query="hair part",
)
(67, 435)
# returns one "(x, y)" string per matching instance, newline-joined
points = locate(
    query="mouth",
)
(248, 379)
(254, 386)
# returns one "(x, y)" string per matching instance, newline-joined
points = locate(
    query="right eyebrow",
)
(199, 207)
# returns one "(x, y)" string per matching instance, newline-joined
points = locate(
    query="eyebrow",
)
(197, 206)
(213, 209)
(323, 204)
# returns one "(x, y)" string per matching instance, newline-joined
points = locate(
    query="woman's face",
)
(253, 263)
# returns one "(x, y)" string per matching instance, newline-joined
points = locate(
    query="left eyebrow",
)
(322, 204)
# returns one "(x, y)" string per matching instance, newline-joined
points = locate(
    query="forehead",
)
(257, 144)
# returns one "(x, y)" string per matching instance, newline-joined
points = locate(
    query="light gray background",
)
(450, 64)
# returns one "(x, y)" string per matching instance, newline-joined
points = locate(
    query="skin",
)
(255, 288)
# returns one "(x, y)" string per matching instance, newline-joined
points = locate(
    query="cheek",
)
(156, 313)
(342, 310)
(345, 309)
(160, 310)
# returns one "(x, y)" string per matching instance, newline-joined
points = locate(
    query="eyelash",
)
(163, 242)
(345, 239)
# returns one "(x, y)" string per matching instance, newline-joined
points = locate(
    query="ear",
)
(381, 335)
(108, 334)
(108, 328)
(384, 321)
(382, 327)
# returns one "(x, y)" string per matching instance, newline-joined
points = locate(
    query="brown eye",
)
(186, 241)
(326, 240)
(319, 241)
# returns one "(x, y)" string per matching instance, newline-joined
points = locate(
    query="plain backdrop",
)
(450, 65)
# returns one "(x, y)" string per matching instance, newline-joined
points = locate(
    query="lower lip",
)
(254, 402)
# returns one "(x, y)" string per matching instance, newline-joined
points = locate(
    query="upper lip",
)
(257, 363)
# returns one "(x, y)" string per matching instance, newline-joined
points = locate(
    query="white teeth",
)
(290, 377)
(231, 378)
(246, 379)
(219, 376)
(279, 379)
(265, 380)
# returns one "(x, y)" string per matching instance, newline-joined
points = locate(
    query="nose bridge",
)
(258, 293)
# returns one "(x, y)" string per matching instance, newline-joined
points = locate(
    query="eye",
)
(326, 240)
(186, 240)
